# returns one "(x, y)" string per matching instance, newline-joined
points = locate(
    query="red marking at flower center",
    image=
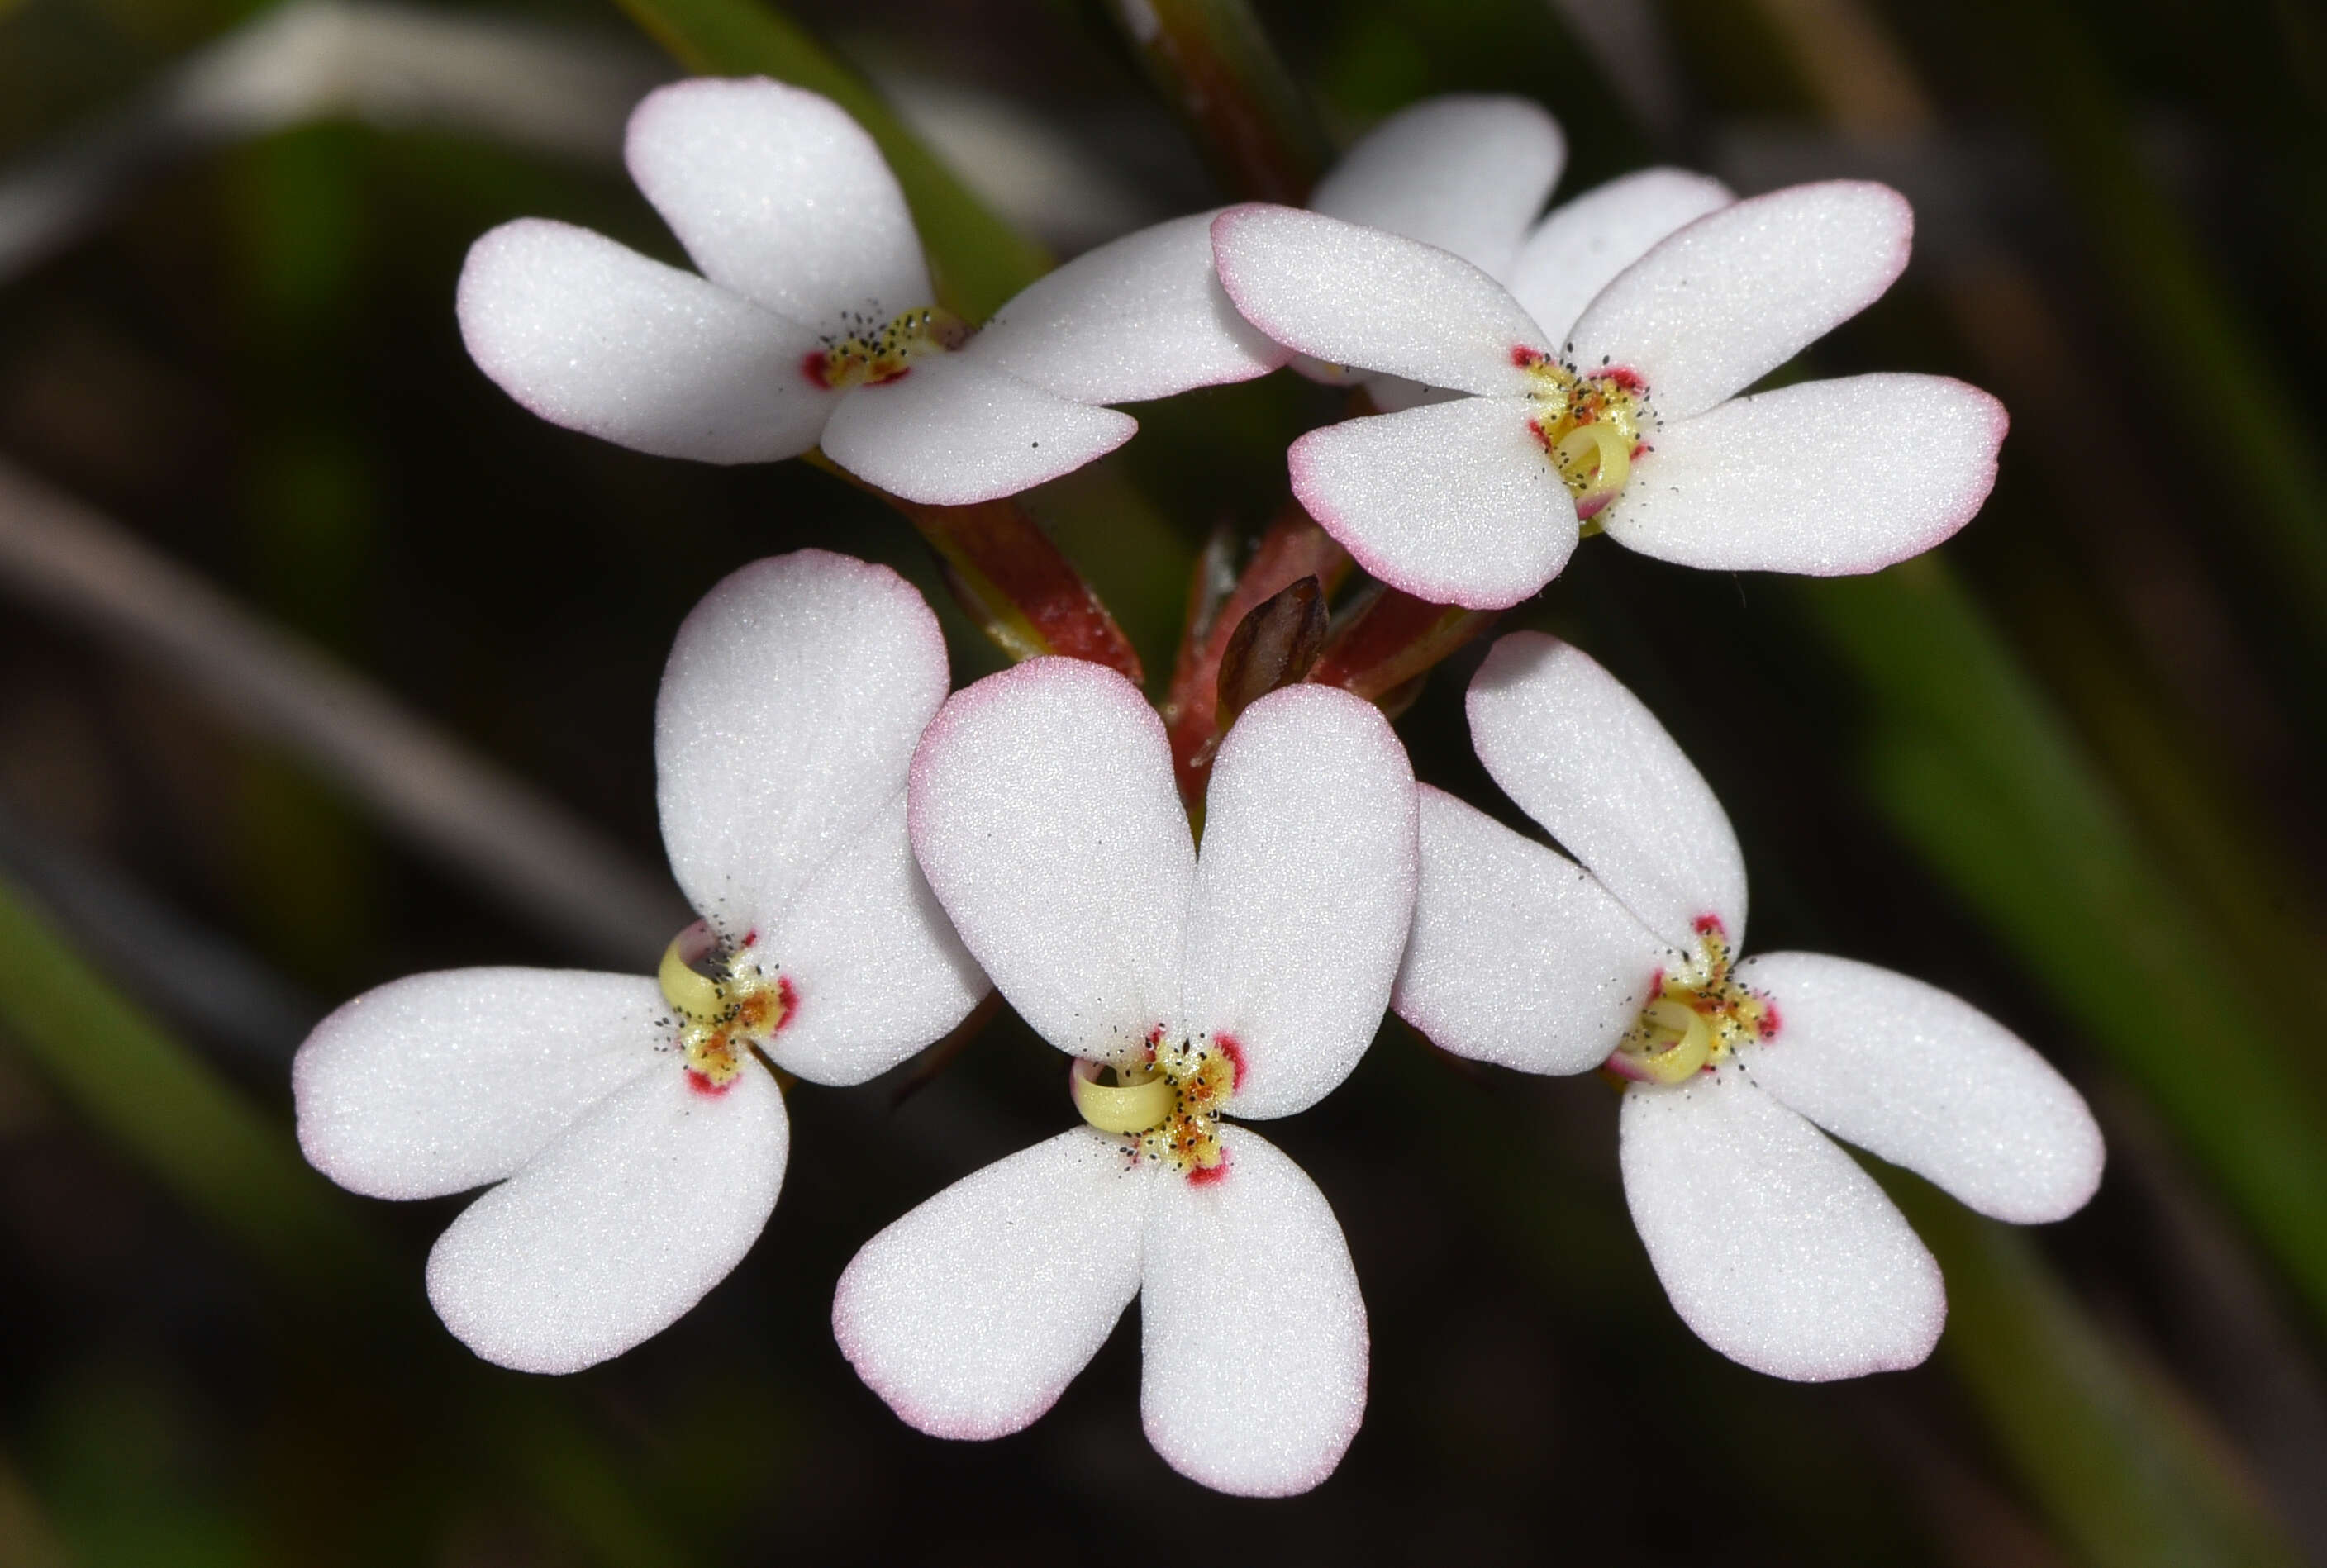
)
(1770, 1019)
(1527, 359)
(1630, 380)
(703, 1086)
(1210, 1175)
(817, 366)
(1235, 1053)
(1709, 925)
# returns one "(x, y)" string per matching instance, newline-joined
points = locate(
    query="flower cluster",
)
(868, 852)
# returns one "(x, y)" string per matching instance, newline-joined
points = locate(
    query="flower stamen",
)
(726, 1001)
(873, 355)
(1698, 1016)
(1169, 1106)
(1591, 428)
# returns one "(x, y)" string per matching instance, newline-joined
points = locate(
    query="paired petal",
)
(442, 1082)
(1044, 813)
(1351, 295)
(1926, 1080)
(971, 1315)
(1586, 758)
(875, 968)
(1826, 478)
(1584, 244)
(952, 432)
(790, 708)
(591, 335)
(1141, 317)
(616, 1229)
(1304, 890)
(1452, 502)
(779, 195)
(1464, 171)
(1773, 1244)
(1517, 955)
(1738, 292)
(1253, 1329)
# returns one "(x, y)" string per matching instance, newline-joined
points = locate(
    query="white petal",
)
(1044, 813)
(442, 1082)
(1773, 1244)
(1464, 171)
(972, 1314)
(1351, 295)
(1252, 1327)
(1588, 239)
(1737, 294)
(1826, 478)
(1586, 758)
(1304, 890)
(615, 1231)
(1926, 1080)
(1143, 316)
(778, 194)
(591, 335)
(952, 432)
(875, 968)
(790, 708)
(1517, 955)
(1452, 502)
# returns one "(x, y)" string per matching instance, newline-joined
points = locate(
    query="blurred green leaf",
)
(1974, 770)
(977, 260)
(1214, 62)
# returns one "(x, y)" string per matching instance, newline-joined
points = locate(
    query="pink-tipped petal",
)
(1738, 292)
(1578, 251)
(1141, 317)
(1357, 296)
(1452, 502)
(1303, 891)
(779, 195)
(952, 432)
(1044, 813)
(1773, 1244)
(790, 708)
(1826, 478)
(1926, 1080)
(1252, 1327)
(442, 1082)
(971, 1315)
(591, 335)
(1464, 171)
(1586, 758)
(877, 972)
(616, 1229)
(1517, 955)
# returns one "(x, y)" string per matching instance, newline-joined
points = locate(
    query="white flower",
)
(1627, 418)
(1245, 980)
(1774, 1246)
(814, 321)
(636, 1129)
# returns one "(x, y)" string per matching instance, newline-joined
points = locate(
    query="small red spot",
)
(817, 369)
(1235, 1053)
(1657, 981)
(1630, 380)
(789, 998)
(1542, 436)
(1527, 359)
(750, 937)
(703, 1086)
(1210, 1175)
(1771, 1021)
(1709, 925)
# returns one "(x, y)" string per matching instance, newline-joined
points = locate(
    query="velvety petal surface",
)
(778, 194)
(591, 335)
(1452, 502)
(442, 1082)
(1926, 1080)
(1464, 171)
(617, 1228)
(790, 708)
(1825, 477)
(952, 432)
(1357, 296)
(876, 970)
(1044, 813)
(1585, 757)
(1738, 292)
(1142, 316)
(971, 1315)
(1773, 1244)
(1304, 890)
(1252, 1328)
(1517, 955)
(1578, 251)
